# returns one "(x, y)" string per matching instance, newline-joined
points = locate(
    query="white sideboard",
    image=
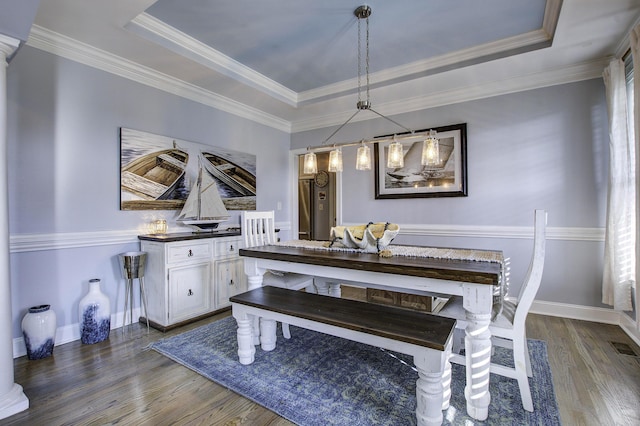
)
(191, 275)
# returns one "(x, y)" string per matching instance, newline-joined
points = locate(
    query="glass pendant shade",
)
(335, 161)
(363, 158)
(395, 157)
(310, 163)
(430, 152)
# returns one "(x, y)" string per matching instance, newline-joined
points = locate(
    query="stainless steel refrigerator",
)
(316, 209)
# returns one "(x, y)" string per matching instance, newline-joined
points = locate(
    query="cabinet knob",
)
(231, 248)
(190, 293)
(231, 282)
(190, 253)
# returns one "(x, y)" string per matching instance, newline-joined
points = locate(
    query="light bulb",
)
(363, 158)
(310, 163)
(335, 160)
(395, 156)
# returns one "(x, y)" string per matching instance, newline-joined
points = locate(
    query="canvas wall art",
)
(157, 172)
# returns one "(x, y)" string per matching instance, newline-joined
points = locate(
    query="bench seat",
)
(424, 336)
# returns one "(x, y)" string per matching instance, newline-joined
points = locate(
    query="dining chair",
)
(258, 229)
(508, 327)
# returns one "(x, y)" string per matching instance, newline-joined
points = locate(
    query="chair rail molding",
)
(20, 243)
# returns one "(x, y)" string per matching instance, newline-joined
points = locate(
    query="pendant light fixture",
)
(431, 151)
(310, 163)
(363, 159)
(335, 160)
(395, 157)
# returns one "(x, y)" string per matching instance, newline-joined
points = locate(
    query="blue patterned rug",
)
(317, 379)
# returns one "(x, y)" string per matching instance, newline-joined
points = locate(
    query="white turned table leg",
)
(335, 290)
(429, 387)
(267, 334)
(477, 303)
(446, 383)
(246, 349)
(322, 286)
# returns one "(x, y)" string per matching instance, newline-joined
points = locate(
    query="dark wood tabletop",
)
(477, 272)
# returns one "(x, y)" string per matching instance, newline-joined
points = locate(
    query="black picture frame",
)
(417, 181)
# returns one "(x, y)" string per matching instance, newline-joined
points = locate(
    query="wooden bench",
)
(424, 336)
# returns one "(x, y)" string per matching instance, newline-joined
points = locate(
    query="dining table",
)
(472, 274)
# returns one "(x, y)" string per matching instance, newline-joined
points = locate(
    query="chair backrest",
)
(258, 228)
(534, 274)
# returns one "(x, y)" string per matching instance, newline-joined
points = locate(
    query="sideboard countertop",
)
(185, 236)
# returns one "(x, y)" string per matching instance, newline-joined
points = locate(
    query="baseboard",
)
(579, 312)
(588, 313)
(71, 332)
(630, 327)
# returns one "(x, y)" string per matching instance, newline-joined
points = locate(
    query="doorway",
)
(316, 200)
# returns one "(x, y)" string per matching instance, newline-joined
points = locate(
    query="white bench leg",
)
(429, 387)
(267, 334)
(285, 331)
(246, 349)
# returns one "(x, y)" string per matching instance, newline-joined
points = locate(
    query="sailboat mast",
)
(199, 185)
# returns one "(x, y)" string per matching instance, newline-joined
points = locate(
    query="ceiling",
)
(292, 64)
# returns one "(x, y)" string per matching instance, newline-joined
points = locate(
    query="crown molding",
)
(182, 44)
(465, 57)
(8, 45)
(66, 47)
(564, 75)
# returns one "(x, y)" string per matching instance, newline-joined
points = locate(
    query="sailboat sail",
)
(204, 207)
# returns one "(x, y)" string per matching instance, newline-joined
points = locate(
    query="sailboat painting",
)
(163, 173)
(446, 178)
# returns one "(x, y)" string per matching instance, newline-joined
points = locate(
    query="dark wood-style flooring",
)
(119, 382)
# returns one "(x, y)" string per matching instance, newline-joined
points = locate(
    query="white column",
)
(12, 398)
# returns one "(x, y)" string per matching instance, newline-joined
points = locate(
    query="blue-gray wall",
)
(544, 148)
(540, 149)
(64, 167)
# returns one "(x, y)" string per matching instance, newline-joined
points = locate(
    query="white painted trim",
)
(563, 75)
(58, 241)
(191, 48)
(8, 45)
(58, 44)
(630, 327)
(431, 65)
(579, 312)
(587, 313)
(71, 332)
(36, 242)
(477, 231)
(65, 47)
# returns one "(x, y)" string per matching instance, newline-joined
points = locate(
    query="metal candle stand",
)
(132, 266)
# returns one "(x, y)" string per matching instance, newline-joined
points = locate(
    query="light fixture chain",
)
(367, 60)
(359, 62)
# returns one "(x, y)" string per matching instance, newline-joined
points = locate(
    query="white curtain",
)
(620, 239)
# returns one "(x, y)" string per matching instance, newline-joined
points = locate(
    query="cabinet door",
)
(230, 280)
(189, 291)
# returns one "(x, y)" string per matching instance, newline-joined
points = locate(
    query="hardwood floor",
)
(120, 382)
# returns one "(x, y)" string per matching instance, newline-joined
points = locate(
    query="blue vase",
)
(95, 315)
(39, 331)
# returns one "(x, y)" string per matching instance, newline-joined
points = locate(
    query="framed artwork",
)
(158, 172)
(445, 178)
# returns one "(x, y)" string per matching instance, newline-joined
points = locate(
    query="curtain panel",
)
(620, 238)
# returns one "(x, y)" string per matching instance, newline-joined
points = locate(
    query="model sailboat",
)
(204, 208)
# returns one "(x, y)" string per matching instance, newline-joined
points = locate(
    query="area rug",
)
(316, 379)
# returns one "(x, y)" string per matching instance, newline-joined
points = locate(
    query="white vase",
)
(39, 331)
(95, 314)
